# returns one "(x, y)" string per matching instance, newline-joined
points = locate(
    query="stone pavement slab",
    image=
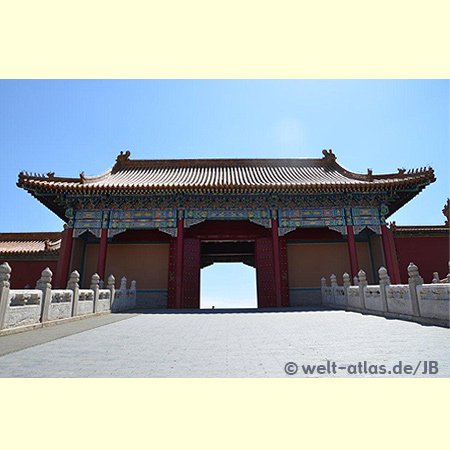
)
(15, 342)
(232, 344)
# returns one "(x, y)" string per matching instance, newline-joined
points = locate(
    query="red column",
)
(388, 255)
(65, 254)
(101, 264)
(172, 268)
(276, 261)
(179, 264)
(395, 266)
(352, 251)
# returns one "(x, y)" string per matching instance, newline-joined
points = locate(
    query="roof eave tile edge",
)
(322, 187)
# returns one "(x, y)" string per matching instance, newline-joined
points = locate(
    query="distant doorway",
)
(228, 285)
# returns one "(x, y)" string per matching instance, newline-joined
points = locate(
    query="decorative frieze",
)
(154, 218)
(366, 218)
(227, 214)
(170, 231)
(77, 232)
(311, 217)
(292, 211)
(233, 200)
(85, 220)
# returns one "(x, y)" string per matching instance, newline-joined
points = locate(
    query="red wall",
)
(226, 230)
(28, 272)
(429, 254)
(142, 236)
(315, 234)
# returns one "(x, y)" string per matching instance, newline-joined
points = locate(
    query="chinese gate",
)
(228, 241)
(212, 210)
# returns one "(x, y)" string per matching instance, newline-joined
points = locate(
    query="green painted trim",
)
(316, 242)
(27, 257)
(305, 289)
(139, 242)
(151, 290)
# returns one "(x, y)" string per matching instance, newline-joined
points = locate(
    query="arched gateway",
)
(161, 221)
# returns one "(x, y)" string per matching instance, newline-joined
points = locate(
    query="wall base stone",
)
(151, 299)
(305, 297)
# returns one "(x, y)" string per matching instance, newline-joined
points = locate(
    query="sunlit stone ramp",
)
(223, 343)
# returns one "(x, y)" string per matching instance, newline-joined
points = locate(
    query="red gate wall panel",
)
(284, 272)
(429, 253)
(191, 274)
(265, 274)
(27, 272)
(171, 281)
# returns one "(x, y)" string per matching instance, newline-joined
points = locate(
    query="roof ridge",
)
(31, 234)
(171, 175)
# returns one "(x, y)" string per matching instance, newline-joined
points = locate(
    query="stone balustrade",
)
(415, 301)
(124, 298)
(61, 304)
(22, 309)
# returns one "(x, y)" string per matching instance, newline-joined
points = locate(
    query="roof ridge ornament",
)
(445, 211)
(328, 155)
(122, 158)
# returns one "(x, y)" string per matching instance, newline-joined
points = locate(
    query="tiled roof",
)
(30, 243)
(299, 174)
(414, 230)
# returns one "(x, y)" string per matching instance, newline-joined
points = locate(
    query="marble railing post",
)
(362, 283)
(112, 289)
(323, 285)
(334, 285)
(333, 280)
(123, 284)
(435, 278)
(133, 290)
(346, 283)
(384, 283)
(44, 284)
(75, 288)
(5, 275)
(95, 282)
(414, 280)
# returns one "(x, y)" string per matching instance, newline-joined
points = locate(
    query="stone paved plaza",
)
(220, 344)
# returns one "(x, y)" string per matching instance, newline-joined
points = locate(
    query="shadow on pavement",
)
(143, 310)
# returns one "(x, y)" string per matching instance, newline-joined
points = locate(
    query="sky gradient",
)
(69, 126)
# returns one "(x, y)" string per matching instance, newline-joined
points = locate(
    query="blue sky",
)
(68, 126)
(228, 285)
